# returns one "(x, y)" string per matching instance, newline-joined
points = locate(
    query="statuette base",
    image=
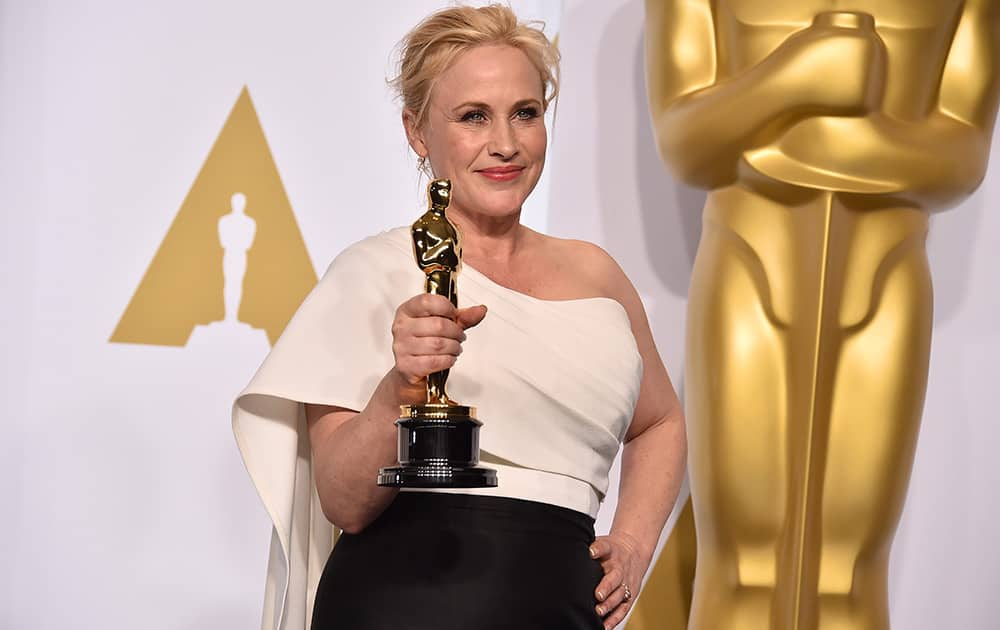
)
(438, 448)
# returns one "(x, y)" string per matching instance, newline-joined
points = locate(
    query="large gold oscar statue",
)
(825, 131)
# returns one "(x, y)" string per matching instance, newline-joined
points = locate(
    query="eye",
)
(526, 113)
(474, 115)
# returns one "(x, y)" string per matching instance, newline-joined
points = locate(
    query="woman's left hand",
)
(624, 566)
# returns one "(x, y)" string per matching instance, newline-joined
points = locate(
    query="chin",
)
(500, 205)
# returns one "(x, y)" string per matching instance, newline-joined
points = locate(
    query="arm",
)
(970, 85)
(655, 448)
(704, 123)
(435, 243)
(929, 162)
(348, 448)
(653, 463)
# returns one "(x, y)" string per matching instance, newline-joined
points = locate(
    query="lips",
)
(501, 173)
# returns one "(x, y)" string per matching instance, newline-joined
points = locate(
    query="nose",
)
(503, 140)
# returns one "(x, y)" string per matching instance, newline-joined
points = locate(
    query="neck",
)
(488, 241)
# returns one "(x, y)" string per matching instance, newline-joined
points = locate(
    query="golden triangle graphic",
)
(200, 269)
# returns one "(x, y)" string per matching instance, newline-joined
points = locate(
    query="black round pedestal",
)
(438, 448)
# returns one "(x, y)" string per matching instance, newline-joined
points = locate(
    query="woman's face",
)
(485, 130)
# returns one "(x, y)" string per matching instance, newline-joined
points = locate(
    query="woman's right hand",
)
(427, 335)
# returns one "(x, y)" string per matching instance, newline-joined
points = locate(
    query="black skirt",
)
(451, 561)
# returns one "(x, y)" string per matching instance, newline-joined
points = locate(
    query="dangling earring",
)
(423, 166)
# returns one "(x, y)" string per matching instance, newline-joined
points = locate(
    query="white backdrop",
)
(125, 500)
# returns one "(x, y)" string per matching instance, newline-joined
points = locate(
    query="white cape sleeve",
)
(334, 351)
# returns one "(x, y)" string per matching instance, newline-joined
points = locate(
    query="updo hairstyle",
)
(433, 45)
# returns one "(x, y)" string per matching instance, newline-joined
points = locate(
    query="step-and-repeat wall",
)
(145, 147)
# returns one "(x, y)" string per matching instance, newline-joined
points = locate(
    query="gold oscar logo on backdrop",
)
(233, 254)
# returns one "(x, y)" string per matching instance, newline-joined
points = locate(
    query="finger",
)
(428, 304)
(432, 346)
(617, 615)
(616, 596)
(608, 587)
(471, 316)
(424, 365)
(600, 548)
(433, 326)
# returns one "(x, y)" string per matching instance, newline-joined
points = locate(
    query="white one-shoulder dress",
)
(555, 384)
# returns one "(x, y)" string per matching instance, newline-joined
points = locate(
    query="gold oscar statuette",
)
(438, 440)
(825, 132)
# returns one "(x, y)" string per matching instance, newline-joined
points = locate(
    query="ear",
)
(414, 134)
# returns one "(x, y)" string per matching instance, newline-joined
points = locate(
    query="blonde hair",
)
(434, 44)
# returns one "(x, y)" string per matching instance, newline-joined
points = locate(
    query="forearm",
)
(347, 458)
(704, 132)
(935, 162)
(702, 135)
(653, 465)
(928, 163)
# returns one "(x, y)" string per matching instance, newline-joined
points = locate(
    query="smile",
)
(501, 173)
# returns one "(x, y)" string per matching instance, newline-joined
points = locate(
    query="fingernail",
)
(600, 610)
(600, 596)
(593, 552)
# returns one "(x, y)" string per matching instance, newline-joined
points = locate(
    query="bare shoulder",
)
(589, 266)
(595, 261)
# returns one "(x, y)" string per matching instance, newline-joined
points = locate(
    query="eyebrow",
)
(478, 105)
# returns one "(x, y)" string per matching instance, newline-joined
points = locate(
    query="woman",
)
(563, 368)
